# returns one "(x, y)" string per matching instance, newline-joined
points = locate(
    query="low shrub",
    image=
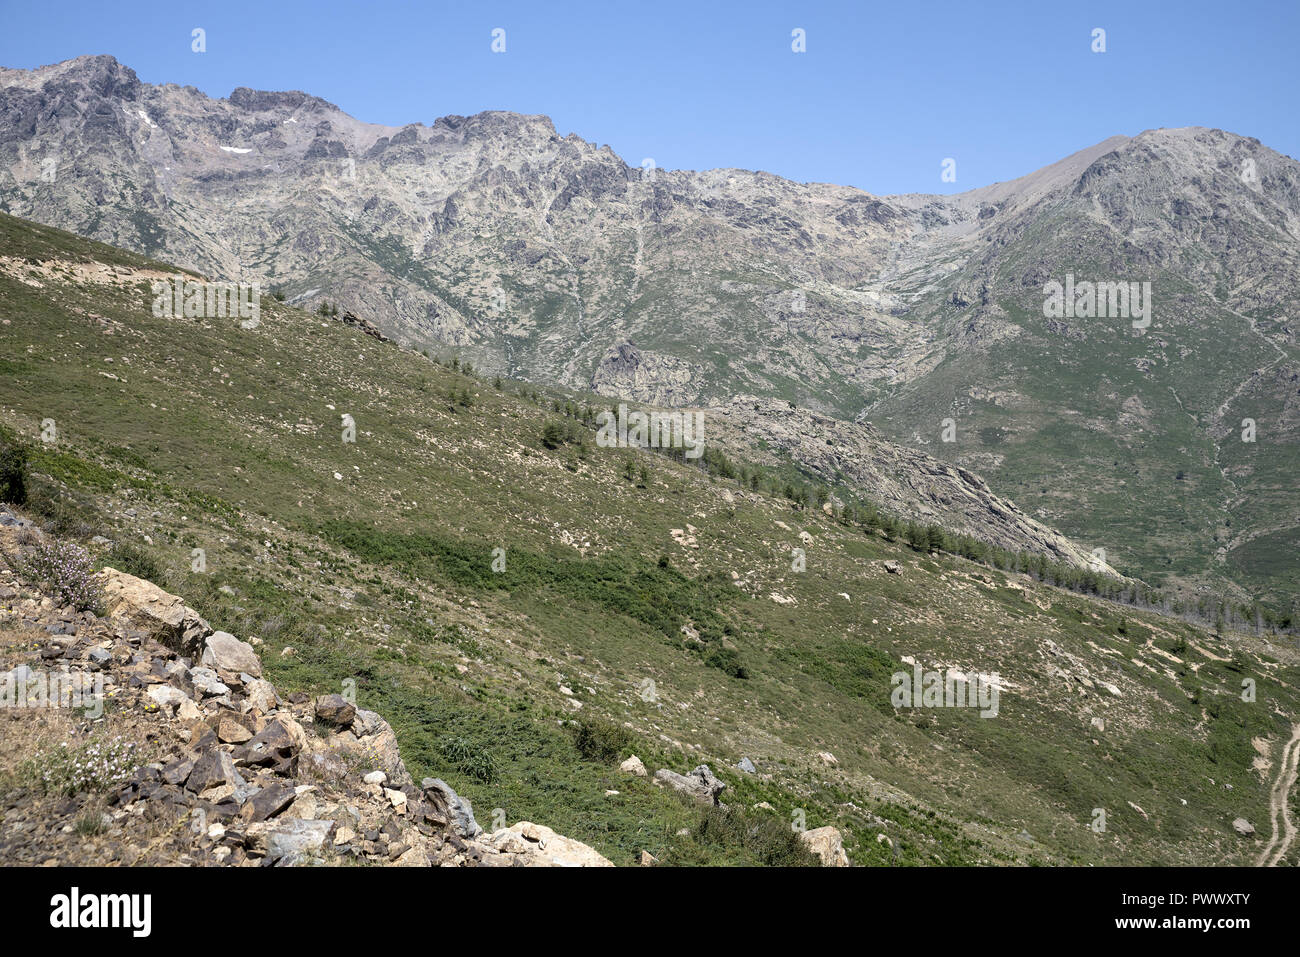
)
(474, 762)
(134, 560)
(13, 468)
(97, 765)
(602, 741)
(67, 570)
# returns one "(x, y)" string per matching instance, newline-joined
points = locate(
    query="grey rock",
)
(213, 769)
(296, 840)
(700, 784)
(448, 808)
(207, 683)
(224, 652)
(335, 710)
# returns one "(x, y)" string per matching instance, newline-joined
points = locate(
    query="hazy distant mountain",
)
(550, 258)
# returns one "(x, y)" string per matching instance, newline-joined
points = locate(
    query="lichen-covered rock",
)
(447, 808)
(634, 766)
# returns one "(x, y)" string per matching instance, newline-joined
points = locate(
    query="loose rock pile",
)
(237, 774)
(365, 325)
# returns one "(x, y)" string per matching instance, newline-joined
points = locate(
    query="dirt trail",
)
(1279, 804)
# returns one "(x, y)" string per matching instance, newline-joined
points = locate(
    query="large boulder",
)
(143, 606)
(700, 784)
(827, 844)
(335, 710)
(533, 845)
(370, 739)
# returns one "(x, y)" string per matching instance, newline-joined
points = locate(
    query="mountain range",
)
(1169, 442)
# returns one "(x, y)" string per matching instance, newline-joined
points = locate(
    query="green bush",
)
(770, 839)
(602, 741)
(13, 468)
(727, 661)
(553, 435)
(100, 764)
(61, 513)
(134, 560)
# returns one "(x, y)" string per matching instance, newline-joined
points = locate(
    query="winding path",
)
(1279, 804)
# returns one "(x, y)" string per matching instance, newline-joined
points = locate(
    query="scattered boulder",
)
(335, 710)
(827, 844)
(208, 684)
(533, 845)
(166, 697)
(267, 803)
(447, 808)
(230, 731)
(372, 741)
(291, 842)
(261, 695)
(893, 567)
(700, 784)
(1243, 827)
(211, 770)
(634, 766)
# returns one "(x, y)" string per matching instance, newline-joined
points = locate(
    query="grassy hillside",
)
(661, 618)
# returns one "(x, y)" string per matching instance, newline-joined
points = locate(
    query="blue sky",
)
(884, 93)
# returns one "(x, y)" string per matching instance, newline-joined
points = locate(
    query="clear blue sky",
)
(883, 94)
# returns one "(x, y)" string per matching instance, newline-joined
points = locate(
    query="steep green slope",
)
(664, 620)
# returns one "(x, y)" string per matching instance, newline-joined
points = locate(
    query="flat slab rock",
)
(534, 845)
(700, 784)
(224, 652)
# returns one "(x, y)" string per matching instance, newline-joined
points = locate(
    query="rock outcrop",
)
(144, 607)
(232, 772)
(626, 371)
(906, 482)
